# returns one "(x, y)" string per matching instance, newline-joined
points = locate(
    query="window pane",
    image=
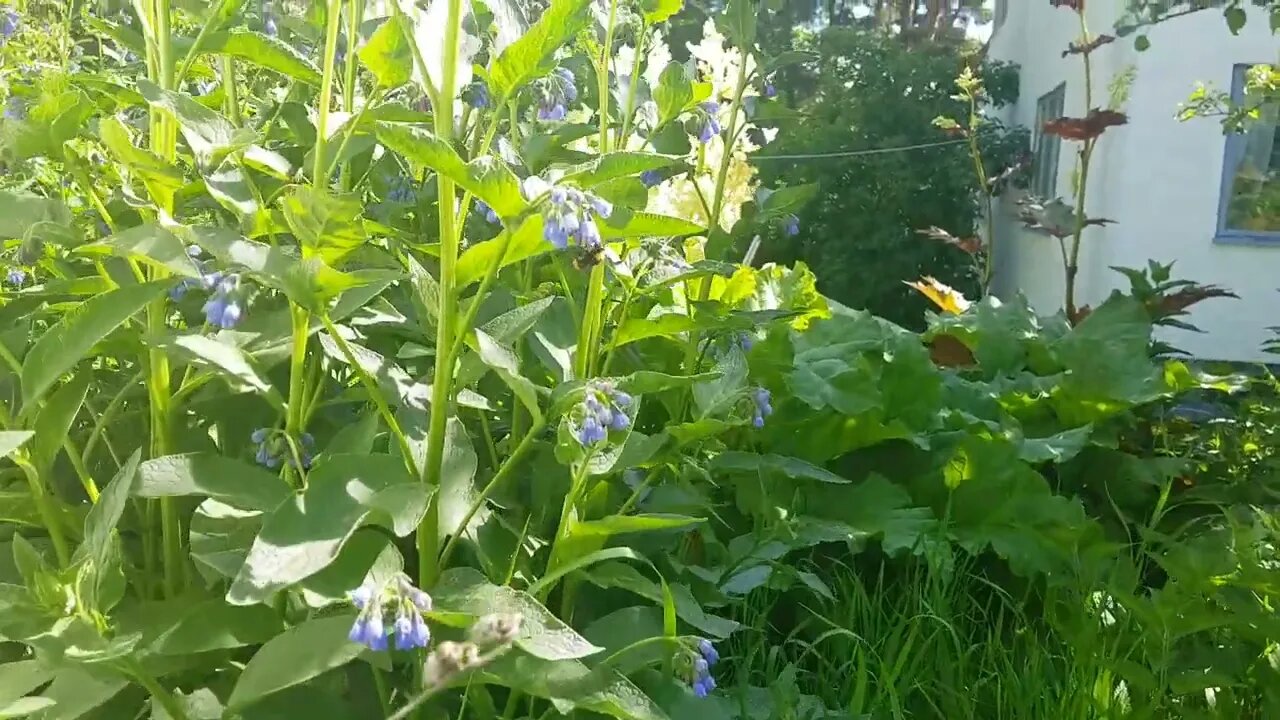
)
(1253, 196)
(1048, 107)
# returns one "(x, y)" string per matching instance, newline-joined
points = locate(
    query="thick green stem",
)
(230, 93)
(975, 152)
(580, 476)
(602, 76)
(717, 202)
(1072, 268)
(442, 379)
(633, 85)
(48, 515)
(334, 18)
(296, 419)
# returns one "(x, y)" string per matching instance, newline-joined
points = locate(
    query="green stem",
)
(442, 379)
(47, 514)
(501, 475)
(229, 90)
(1086, 156)
(975, 152)
(602, 76)
(717, 203)
(355, 11)
(157, 691)
(633, 85)
(82, 472)
(296, 418)
(580, 476)
(334, 21)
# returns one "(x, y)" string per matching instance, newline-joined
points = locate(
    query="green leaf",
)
(794, 468)
(488, 178)
(56, 418)
(63, 346)
(206, 474)
(659, 11)
(548, 581)
(161, 178)
(11, 440)
(1057, 448)
(305, 534)
(457, 470)
(611, 166)
(718, 395)
(533, 54)
(263, 51)
(148, 243)
(387, 53)
(542, 634)
(1142, 43)
(19, 212)
(526, 242)
(738, 23)
(215, 625)
(668, 325)
(646, 224)
(571, 684)
(786, 201)
(100, 524)
(644, 382)
(1106, 358)
(229, 361)
(20, 678)
(221, 536)
(328, 226)
(674, 93)
(1236, 18)
(76, 691)
(297, 655)
(627, 577)
(505, 364)
(209, 135)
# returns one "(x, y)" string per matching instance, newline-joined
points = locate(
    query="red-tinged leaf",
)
(971, 245)
(1084, 48)
(946, 351)
(1085, 128)
(1176, 303)
(1077, 5)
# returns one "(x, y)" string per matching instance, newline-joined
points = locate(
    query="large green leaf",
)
(668, 325)
(263, 51)
(11, 440)
(542, 634)
(533, 54)
(488, 178)
(229, 361)
(1106, 356)
(622, 225)
(76, 691)
(207, 474)
(387, 53)
(328, 226)
(19, 212)
(295, 656)
(215, 625)
(675, 92)
(617, 165)
(162, 179)
(20, 678)
(63, 346)
(306, 533)
(734, 461)
(571, 684)
(209, 135)
(100, 524)
(523, 243)
(457, 470)
(738, 23)
(56, 418)
(627, 577)
(148, 243)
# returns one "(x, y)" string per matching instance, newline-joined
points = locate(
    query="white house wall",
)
(1157, 177)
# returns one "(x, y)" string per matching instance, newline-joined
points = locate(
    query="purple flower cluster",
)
(745, 341)
(770, 92)
(406, 601)
(569, 213)
(700, 679)
(651, 178)
(15, 109)
(708, 121)
(400, 190)
(16, 276)
(555, 92)
(9, 23)
(274, 449)
(791, 226)
(603, 408)
(489, 213)
(763, 409)
(225, 307)
(477, 95)
(269, 26)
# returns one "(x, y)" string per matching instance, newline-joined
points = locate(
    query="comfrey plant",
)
(332, 415)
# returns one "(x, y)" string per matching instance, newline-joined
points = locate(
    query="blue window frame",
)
(1249, 199)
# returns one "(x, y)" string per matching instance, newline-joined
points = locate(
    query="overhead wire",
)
(857, 153)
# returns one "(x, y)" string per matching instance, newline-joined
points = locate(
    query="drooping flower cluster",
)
(791, 226)
(274, 449)
(651, 178)
(603, 408)
(225, 307)
(9, 23)
(763, 408)
(397, 596)
(707, 121)
(400, 190)
(568, 213)
(477, 95)
(555, 93)
(16, 276)
(699, 663)
(489, 213)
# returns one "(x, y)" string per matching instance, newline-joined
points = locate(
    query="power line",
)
(855, 153)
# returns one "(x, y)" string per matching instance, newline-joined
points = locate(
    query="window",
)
(1002, 12)
(1249, 206)
(1044, 184)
